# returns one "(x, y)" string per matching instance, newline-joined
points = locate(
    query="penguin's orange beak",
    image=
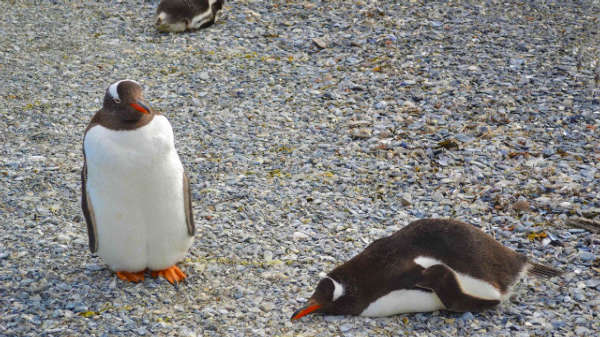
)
(141, 107)
(311, 306)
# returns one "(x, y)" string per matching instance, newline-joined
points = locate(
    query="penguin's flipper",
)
(88, 211)
(187, 201)
(444, 283)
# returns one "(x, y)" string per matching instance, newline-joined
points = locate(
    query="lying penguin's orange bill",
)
(305, 311)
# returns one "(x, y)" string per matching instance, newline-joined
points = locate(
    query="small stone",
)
(543, 201)
(467, 316)
(267, 306)
(593, 283)
(380, 105)
(405, 200)
(586, 256)
(37, 158)
(582, 331)
(516, 62)
(204, 76)
(252, 13)
(63, 237)
(361, 123)
(268, 256)
(384, 134)
(352, 60)
(332, 318)
(273, 275)
(93, 267)
(580, 297)
(80, 308)
(32, 319)
(361, 133)
(591, 213)
(345, 327)
(565, 204)
(521, 206)
(522, 47)
(549, 151)
(448, 144)
(298, 236)
(320, 43)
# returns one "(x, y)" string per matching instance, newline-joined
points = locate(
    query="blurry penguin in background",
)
(182, 15)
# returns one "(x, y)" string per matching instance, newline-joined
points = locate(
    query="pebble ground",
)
(309, 129)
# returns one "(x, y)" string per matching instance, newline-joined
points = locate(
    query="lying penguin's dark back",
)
(465, 248)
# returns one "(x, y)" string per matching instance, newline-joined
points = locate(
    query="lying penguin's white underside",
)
(403, 301)
(135, 186)
(413, 300)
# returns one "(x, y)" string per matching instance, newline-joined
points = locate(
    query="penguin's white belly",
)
(135, 185)
(403, 301)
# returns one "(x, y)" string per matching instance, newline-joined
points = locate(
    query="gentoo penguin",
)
(431, 264)
(135, 193)
(181, 15)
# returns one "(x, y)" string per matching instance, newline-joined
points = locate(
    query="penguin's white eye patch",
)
(338, 289)
(112, 90)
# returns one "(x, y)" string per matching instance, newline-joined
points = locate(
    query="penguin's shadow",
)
(157, 33)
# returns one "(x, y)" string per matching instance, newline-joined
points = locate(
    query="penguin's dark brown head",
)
(125, 99)
(324, 300)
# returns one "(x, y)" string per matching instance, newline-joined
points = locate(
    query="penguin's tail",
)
(542, 271)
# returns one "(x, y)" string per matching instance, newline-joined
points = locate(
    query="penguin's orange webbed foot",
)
(172, 274)
(131, 277)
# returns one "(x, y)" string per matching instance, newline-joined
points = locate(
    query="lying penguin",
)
(135, 193)
(181, 15)
(431, 264)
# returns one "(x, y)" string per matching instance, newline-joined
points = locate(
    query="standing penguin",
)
(431, 264)
(135, 193)
(181, 15)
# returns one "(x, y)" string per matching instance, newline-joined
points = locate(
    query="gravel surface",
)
(309, 129)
